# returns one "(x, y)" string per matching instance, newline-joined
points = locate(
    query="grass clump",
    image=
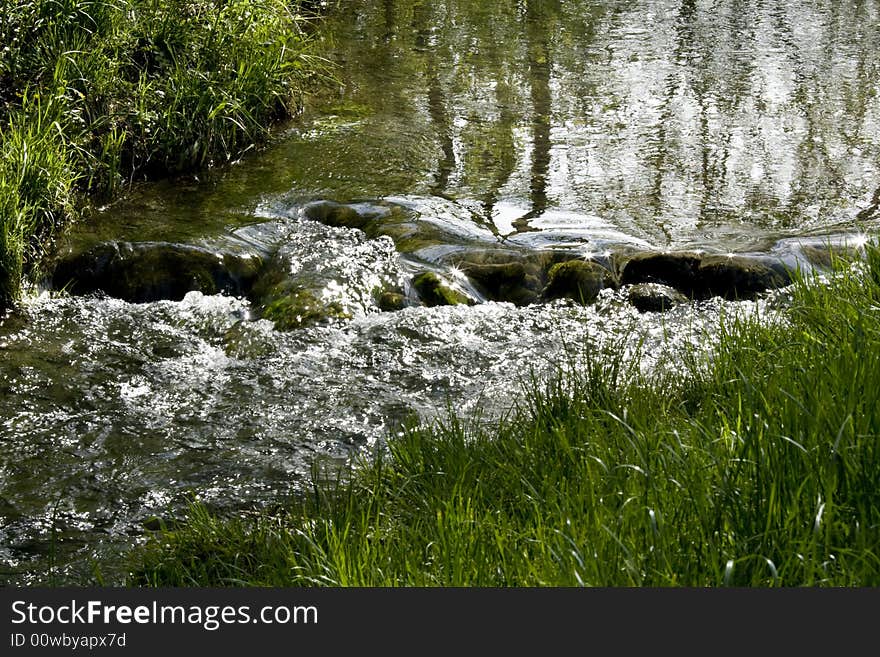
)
(758, 466)
(96, 93)
(38, 179)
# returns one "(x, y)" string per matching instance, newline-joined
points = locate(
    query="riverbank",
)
(94, 95)
(757, 466)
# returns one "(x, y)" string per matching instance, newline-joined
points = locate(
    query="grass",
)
(757, 466)
(97, 93)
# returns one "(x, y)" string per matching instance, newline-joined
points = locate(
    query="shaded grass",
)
(94, 94)
(756, 466)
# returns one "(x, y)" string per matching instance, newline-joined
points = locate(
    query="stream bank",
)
(224, 331)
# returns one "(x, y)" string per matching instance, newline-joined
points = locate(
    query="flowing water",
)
(721, 126)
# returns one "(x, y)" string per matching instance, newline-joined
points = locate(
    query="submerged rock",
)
(321, 274)
(433, 291)
(514, 282)
(244, 340)
(523, 276)
(409, 237)
(390, 300)
(739, 277)
(654, 297)
(504, 275)
(824, 257)
(339, 215)
(579, 280)
(318, 273)
(292, 302)
(154, 271)
(507, 275)
(299, 307)
(702, 276)
(678, 270)
(410, 233)
(817, 257)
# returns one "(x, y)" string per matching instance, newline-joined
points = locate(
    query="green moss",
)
(516, 282)
(300, 308)
(408, 236)
(390, 301)
(433, 292)
(351, 110)
(578, 280)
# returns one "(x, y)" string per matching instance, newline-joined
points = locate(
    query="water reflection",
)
(680, 122)
(540, 19)
(704, 123)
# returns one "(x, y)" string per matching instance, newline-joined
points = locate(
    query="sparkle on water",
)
(591, 127)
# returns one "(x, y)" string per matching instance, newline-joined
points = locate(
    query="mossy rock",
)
(824, 257)
(579, 280)
(299, 308)
(408, 236)
(434, 292)
(391, 301)
(703, 276)
(507, 275)
(654, 298)
(243, 340)
(503, 275)
(675, 269)
(154, 271)
(338, 215)
(514, 282)
(291, 303)
(740, 277)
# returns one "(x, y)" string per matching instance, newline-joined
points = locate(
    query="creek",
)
(464, 136)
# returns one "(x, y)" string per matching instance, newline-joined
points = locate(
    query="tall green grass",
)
(757, 465)
(37, 181)
(96, 93)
